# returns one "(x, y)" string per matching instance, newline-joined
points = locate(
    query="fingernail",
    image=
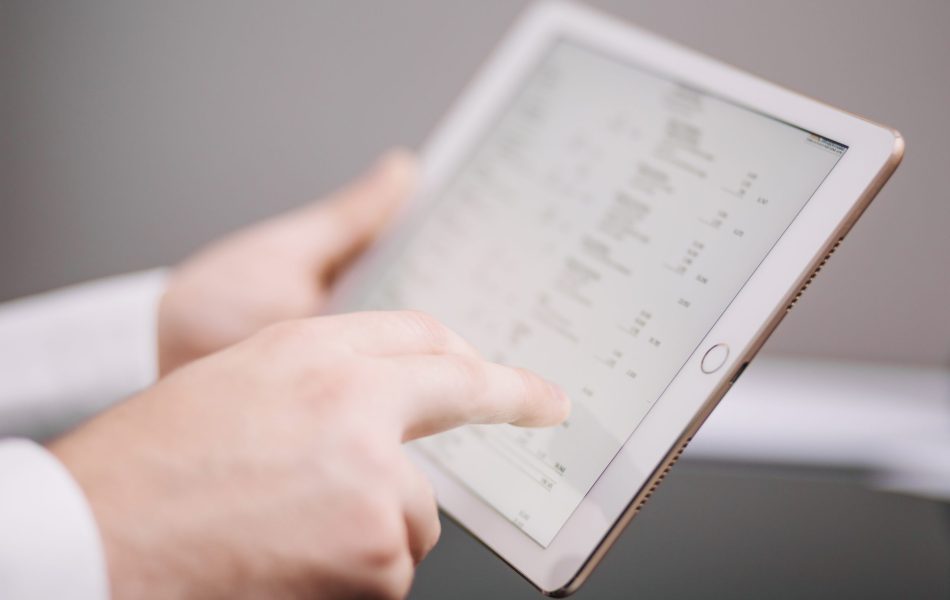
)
(561, 396)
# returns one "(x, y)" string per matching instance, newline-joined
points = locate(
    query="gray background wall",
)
(132, 132)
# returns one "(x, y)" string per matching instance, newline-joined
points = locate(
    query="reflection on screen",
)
(594, 235)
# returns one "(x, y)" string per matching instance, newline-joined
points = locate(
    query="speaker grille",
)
(659, 478)
(814, 274)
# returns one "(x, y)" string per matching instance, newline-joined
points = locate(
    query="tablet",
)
(631, 220)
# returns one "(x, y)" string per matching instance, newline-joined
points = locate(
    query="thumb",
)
(352, 217)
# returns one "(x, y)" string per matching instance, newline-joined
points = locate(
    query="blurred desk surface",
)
(889, 423)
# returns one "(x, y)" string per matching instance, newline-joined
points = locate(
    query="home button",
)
(715, 358)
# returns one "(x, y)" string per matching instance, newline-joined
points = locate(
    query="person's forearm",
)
(68, 354)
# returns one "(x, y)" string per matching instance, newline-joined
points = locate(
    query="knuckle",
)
(329, 382)
(395, 579)
(400, 578)
(277, 333)
(428, 492)
(435, 531)
(376, 458)
(430, 329)
(285, 336)
(531, 388)
(530, 384)
(432, 529)
(377, 553)
(471, 374)
(385, 542)
(367, 537)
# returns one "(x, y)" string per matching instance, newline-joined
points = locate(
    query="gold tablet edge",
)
(676, 450)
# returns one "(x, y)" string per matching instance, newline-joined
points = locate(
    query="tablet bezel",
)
(873, 153)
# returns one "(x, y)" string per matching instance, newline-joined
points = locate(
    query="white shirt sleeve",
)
(64, 356)
(49, 543)
(68, 354)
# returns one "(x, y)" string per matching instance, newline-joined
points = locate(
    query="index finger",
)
(439, 392)
(383, 333)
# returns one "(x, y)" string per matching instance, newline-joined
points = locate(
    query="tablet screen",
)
(596, 232)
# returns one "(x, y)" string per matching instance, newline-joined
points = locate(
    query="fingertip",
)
(563, 408)
(560, 405)
(398, 165)
(553, 409)
(360, 210)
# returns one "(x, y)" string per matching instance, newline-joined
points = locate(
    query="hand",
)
(277, 270)
(274, 468)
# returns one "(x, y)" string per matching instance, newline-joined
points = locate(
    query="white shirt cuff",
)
(71, 353)
(49, 542)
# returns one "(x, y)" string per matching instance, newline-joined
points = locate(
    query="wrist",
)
(119, 502)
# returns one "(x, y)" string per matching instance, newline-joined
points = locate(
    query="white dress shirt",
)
(64, 356)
